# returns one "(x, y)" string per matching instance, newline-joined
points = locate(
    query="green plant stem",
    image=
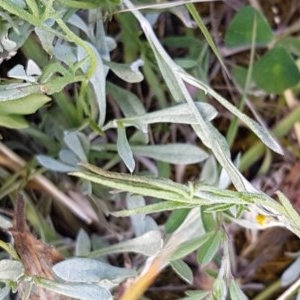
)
(233, 128)
(72, 37)
(19, 12)
(258, 149)
(34, 8)
(269, 291)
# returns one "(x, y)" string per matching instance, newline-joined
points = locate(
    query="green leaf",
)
(128, 72)
(73, 142)
(79, 291)
(87, 270)
(209, 249)
(196, 295)
(124, 149)
(25, 105)
(147, 244)
(175, 219)
(4, 292)
(10, 270)
(205, 32)
(291, 44)
(177, 114)
(219, 289)
(83, 243)
(172, 153)
(191, 245)
(54, 165)
(13, 121)
(276, 71)
(235, 292)
(240, 30)
(183, 270)
(129, 103)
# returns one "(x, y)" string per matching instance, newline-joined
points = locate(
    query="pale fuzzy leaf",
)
(53, 164)
(196, 295)
(97, 81)
(79, 291)
(147, 244)
(258, 129)
(235, 292)
(46, 37)
(10, 270)
(128, 72)
(4, 292)
(191, 245)
(5, 223)
(66, 53)
(152, 208)
(177, 114)
(87, 270)
(68, 157)
(183, 270)
(209, 173)
(291, 273)
(140, 222)
(124, 149)
(74, 143)
(129, 103)
(208, 250)
(172, 153)
(32, 68)
(219, 289)
(83, 243)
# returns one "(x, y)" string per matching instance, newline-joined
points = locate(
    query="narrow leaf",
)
(124, 149)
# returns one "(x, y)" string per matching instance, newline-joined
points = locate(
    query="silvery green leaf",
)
(191, 245)
(183, 15)
(76, 21)
(54, 165)
(196, 295)
(235, 292)
(68, 157)
(97, 80)
(4, 292)
(46, 38)
(124, 149)
(13, 91)
(65, 52)
(219, 289)
(129, 103)
(261, 132)
(74, 143)
(32, 68)
(209, 173)
(127, 72)
(79, 291)
(177, 114)
(209, 248)
(87, 270)
(111, 43)
(10, 270)
(172, 153)
(83, 243)
(141, 223)
(291, 273)
(20, 3)
(183, 270)
(148, 244)
(5, 223)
